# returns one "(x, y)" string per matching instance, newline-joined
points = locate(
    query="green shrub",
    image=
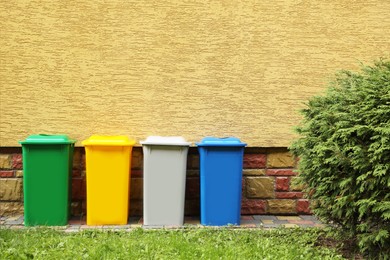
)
(344, 151)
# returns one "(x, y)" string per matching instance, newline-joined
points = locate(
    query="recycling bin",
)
(108, 160)
(165, 163)
(47, 167)
(221, 162)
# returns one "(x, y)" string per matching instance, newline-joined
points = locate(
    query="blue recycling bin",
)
(220, 180)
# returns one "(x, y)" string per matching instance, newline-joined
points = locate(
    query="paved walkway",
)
(247, 221)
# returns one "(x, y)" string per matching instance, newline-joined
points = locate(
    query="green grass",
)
(192, 243)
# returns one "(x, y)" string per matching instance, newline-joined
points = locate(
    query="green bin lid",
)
(47, 139)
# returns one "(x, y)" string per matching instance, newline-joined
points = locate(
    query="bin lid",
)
(117, 140)
(47, 139)
(165, 140)
(225, 141)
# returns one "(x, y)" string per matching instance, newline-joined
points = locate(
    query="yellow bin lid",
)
(117, 140)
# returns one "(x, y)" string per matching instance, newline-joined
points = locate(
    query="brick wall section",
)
(11, 183)
(268, 183)
(270, 188)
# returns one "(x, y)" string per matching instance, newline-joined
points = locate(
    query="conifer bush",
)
(344, 156)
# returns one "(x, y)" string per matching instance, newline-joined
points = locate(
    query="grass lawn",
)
(191, 243)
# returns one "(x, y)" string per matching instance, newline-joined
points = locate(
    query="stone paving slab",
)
(302, 222)
(290, 225)
(192, 222)
(75, 227)
(270, 226)
(247, 221)
(76, 222)
(114, 227)
(135, 225)
(252, 221)
(280, 222)
(288, 217)
(18, 220)
(246, 217)
(248, 225)
(309, 226)
(264, 217)
(309, 217)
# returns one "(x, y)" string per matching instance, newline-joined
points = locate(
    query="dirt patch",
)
(346, 248)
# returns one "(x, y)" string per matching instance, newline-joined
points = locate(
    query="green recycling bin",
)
(47, 166)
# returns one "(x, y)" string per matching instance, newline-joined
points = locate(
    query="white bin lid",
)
(165, 140)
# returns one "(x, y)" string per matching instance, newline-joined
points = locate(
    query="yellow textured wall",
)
(190, 68)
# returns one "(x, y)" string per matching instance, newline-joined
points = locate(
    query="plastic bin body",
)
(108, 161)
(47, 167)
(220, 180)
(165, 163)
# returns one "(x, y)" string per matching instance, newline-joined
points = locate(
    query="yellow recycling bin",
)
(108, 161)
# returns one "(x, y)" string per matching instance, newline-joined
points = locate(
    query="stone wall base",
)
(268, 185)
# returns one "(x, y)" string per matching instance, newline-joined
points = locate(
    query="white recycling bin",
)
(165, 164)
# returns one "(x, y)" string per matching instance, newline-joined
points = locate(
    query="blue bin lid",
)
(225, 141)
(47, 139)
